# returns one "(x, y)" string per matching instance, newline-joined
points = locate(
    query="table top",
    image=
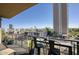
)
(6, 51)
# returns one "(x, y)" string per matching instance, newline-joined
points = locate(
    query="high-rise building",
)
(11, 30)
(10, 26)
(60, 18)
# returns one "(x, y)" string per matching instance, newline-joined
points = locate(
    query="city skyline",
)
(41, 15)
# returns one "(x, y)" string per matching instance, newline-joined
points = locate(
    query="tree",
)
(73, 32)
(48, 32)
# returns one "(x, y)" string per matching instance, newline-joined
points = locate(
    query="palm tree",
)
(49, 33)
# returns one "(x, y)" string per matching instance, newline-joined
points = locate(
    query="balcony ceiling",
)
(8, 10)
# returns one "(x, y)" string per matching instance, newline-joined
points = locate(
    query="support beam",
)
(60, 18)
(0, 32)
(70, 50)
(77, 48)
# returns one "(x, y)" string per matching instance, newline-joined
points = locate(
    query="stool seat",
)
(40, 45)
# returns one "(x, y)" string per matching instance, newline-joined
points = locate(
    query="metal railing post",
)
(35, 43)
(51, 44)
(77, 48)
(70, 50)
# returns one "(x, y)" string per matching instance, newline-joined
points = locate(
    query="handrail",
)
(76, 40)
(58, 44)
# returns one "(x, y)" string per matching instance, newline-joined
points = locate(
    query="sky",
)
(41, 16)
(73, 15)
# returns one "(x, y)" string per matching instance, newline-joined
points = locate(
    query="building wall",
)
(60, 18)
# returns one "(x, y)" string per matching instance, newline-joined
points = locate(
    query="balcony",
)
(36, 45)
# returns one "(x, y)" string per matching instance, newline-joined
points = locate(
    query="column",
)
(60, 18)
(0, 31)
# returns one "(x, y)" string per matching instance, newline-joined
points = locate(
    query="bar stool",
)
(39, 46)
